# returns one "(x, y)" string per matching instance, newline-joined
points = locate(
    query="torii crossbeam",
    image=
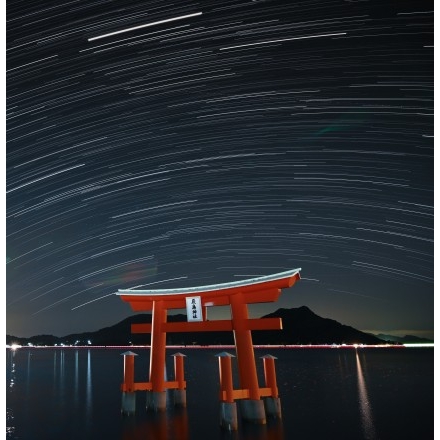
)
(238, 295)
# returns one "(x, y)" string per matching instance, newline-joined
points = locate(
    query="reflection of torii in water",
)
(237, 294)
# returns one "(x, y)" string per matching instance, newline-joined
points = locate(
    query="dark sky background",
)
(153, 144)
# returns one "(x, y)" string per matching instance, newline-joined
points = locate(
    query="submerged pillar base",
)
(180, 398)
(128, 406)
(228, 416)
(272, 405)
(156, 401)
(253, 411)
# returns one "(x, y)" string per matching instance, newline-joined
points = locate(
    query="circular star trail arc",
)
(194, 143)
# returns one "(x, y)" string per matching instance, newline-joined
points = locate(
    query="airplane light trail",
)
(168, 20)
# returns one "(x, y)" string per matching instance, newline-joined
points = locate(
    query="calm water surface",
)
(342, 393)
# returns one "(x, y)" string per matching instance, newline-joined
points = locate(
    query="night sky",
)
(153, 144)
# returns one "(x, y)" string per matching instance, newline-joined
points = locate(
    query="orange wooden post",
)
(272, 404)
(225, 370)
(270, 376)
(128, 392)
(228, 408)
(252, 408)
(156, 399)
(245, 350)
(179, 377)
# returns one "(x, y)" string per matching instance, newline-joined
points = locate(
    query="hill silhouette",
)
(300, 326)
(407, 339)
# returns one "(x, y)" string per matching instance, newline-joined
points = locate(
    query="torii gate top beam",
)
(256, 290)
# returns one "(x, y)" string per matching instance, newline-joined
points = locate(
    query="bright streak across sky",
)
(283, 40)
(122, 31)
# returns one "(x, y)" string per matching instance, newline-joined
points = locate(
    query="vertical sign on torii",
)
(194, 309)
(237, 295)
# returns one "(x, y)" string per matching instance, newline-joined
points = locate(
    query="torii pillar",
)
(252, 408)
(238, 295)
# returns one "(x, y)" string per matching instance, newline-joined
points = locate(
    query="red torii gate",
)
(238, 295)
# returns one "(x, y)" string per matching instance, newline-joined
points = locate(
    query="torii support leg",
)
(272, 403)
(156, 398)
(228, 408)
(179, 377)
(252, 409)
(128, 392)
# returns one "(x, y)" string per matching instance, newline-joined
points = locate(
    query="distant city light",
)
(426, 344)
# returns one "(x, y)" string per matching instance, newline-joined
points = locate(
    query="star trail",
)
(191, 143)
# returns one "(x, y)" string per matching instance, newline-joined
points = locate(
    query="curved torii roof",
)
(260, 289)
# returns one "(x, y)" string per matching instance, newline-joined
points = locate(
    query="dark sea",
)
(337, 393)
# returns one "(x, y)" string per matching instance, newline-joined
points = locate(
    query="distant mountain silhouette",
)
(407, 339)
(300, 326)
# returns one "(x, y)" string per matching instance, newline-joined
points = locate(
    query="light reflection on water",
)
(10, 424)
(28, 380)
(12, 367)
(61, 379)
(158, 426)
(75, 394)
(273, 430)
(10, 429)
(28, 375)
(55, 377)
(55, 365)
(364, 404)
(76, 386)
(89, 402)
(174, 424)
